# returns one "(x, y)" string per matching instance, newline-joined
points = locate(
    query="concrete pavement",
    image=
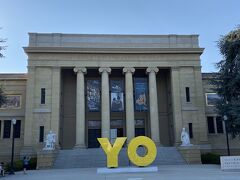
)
(166, 172)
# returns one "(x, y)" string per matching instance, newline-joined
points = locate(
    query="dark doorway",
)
(139, 132)
(119, 132)
(93, 134)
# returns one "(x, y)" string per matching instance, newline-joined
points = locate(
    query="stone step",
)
(85, 158)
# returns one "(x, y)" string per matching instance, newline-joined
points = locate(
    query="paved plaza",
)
(166, 172)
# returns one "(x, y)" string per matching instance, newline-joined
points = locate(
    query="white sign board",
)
(230, 162)
(113, 135)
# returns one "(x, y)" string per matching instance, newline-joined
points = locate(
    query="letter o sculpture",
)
(151, 149)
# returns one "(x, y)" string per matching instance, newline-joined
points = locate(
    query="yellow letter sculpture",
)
(112, 152)
(150, 148)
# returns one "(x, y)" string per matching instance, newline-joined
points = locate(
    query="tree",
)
(2, 47)
(227, 81)
(2, 97)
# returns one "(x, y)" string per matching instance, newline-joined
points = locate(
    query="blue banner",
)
(141, 94)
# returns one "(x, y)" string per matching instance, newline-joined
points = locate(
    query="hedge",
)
(18, 165)
(210, 158)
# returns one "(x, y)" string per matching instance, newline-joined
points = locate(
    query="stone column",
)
(29, 117)
(56, 86)
(154, 120)
(80, 107)
(200, 103)
(176, 104)
(130, 122)
(105, 115)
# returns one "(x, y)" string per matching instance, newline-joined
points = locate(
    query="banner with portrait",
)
(117, 99)
(141, 94)
(93, 95)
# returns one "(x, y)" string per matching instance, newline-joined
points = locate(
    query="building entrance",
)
(94, 132)
(139, 127)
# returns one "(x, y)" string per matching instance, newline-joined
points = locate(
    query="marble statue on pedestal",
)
(185, 138)
(50, 141)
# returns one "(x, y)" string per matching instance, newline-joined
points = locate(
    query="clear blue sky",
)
(208, 18)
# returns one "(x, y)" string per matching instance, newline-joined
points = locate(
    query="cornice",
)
(114, 50)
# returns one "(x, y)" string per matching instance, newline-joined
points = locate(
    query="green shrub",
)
(33, 163)
(18, 165)
(210, 158)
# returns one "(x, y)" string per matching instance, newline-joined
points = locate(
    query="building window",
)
(43, 95)
(41, 134)
(7, 129)
(219, 124)
(211, 99)
(190, 130)
(210, 121)
(215, 125)
(17, 131)
(187, 94)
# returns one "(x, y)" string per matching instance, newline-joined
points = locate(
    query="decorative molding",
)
(152, 70)
(114, 50)
(40, 110)
(56, 68)
(80, 70)
(129, 70)
(31, 68)
(197, 68)
(105, 69)
(175, 68)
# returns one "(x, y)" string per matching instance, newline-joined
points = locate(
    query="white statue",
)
(185, 138)
(50, 141)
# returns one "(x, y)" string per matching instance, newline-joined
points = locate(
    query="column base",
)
(80, 146)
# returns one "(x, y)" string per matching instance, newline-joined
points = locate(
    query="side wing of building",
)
(14, 88)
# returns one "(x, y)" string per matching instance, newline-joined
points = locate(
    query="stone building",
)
(86, 86)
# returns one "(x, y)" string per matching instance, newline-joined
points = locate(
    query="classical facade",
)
(83, 87)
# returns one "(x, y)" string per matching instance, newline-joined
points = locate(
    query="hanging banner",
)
(117, 99)
(93, 95)
(141, 94)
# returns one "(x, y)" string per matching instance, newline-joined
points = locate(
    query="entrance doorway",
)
(116, 129)
(139, 127)
(94, 132)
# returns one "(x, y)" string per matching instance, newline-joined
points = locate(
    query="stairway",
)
(86, 158)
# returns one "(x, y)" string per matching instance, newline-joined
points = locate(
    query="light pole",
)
(225, 118)
(13, 136)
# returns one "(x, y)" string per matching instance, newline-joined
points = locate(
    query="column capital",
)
(152, 70)
(129, 70)
(105, 69)
(80, 69)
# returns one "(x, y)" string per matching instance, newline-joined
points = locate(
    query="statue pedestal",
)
(191, 154)
(27, 151)
(45, 159)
